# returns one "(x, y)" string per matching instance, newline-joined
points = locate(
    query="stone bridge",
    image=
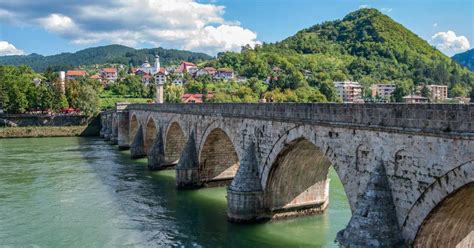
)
(407, 170)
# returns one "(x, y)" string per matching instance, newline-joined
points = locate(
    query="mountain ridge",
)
(465, 58)
(109, 54)
(365, 46)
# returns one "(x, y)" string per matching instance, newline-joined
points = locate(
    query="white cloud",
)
(449, 43)
(57, 23)
(9, 49)
(181, 24)
(364, 6)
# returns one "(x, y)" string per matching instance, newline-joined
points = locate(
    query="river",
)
(83, 192)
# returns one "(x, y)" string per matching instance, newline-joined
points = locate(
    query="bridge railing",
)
(446, 119)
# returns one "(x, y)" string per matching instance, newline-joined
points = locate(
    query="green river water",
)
(83, 192)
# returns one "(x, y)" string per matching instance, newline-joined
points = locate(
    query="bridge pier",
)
(187, 170)
(123, 132)
(245, 202)
(156, 155)
(114, 132)
(103, 125)
(137, 149)
(374, 221)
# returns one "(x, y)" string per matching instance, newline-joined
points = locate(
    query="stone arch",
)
(298, 183)
(218, 158)
(134, 125)
(175, 141)
(296, 170)
(456, 213)
(433, 195)
(150, 134)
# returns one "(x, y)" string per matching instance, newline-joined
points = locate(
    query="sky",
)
(53, 26)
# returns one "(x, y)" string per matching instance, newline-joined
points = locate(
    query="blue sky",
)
(52, 26)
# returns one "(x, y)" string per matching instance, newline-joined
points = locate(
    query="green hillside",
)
(365, 46)
(466, 59)
(112, 54)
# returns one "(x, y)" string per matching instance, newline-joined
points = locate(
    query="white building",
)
(349, 91)
(148, 69)
(211, 71)
(224, 73)
(160, 77)
(384, 91)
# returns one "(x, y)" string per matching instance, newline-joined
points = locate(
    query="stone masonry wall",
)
(417, 144)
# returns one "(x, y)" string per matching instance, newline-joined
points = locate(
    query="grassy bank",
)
(109, 102)
(43, 131)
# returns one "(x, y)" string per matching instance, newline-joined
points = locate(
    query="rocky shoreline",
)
(42, 131)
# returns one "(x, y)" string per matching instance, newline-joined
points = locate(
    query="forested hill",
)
(466, 59)
(366, 46)
(102, 55)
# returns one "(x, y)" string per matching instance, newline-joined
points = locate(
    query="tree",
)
(173, 93)
(88, 100)
(458, 90)
(425, 91)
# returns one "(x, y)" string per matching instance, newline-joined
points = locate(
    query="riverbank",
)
(43, 131)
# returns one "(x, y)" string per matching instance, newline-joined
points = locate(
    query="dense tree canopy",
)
(112, 54)
(366, 46)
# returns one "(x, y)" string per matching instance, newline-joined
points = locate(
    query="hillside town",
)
(347, 91)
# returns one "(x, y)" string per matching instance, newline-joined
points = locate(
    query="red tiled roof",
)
(188, 63)
(75, 73)
(96, 76)
(109, 70)
(162, 71)
(197, 98)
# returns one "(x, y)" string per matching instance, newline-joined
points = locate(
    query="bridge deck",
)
(431, 119)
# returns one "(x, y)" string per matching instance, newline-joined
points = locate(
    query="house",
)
(109, 74)
(224, 73)
(211, 71)
(194, 98)
(146, 78)
(349, 91)
(179, 80)
(160, 77)
(415, 99)
(96, 77)
(186, 67)
(384, 91)
(74, 74)
(438, 92)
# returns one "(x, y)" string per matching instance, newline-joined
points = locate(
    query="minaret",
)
(159, 83)
(159, 92)
(62, 78)
(157, 64)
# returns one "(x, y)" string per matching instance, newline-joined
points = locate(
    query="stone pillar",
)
(187, 170)
(374, 221)
(102, 125)
(159, 92)
(114, 133)
(108, 129)
(156, 155)
(245, 194)
(123, 137)
(137, 149)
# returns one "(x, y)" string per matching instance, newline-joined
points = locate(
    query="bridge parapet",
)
(437, 119)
